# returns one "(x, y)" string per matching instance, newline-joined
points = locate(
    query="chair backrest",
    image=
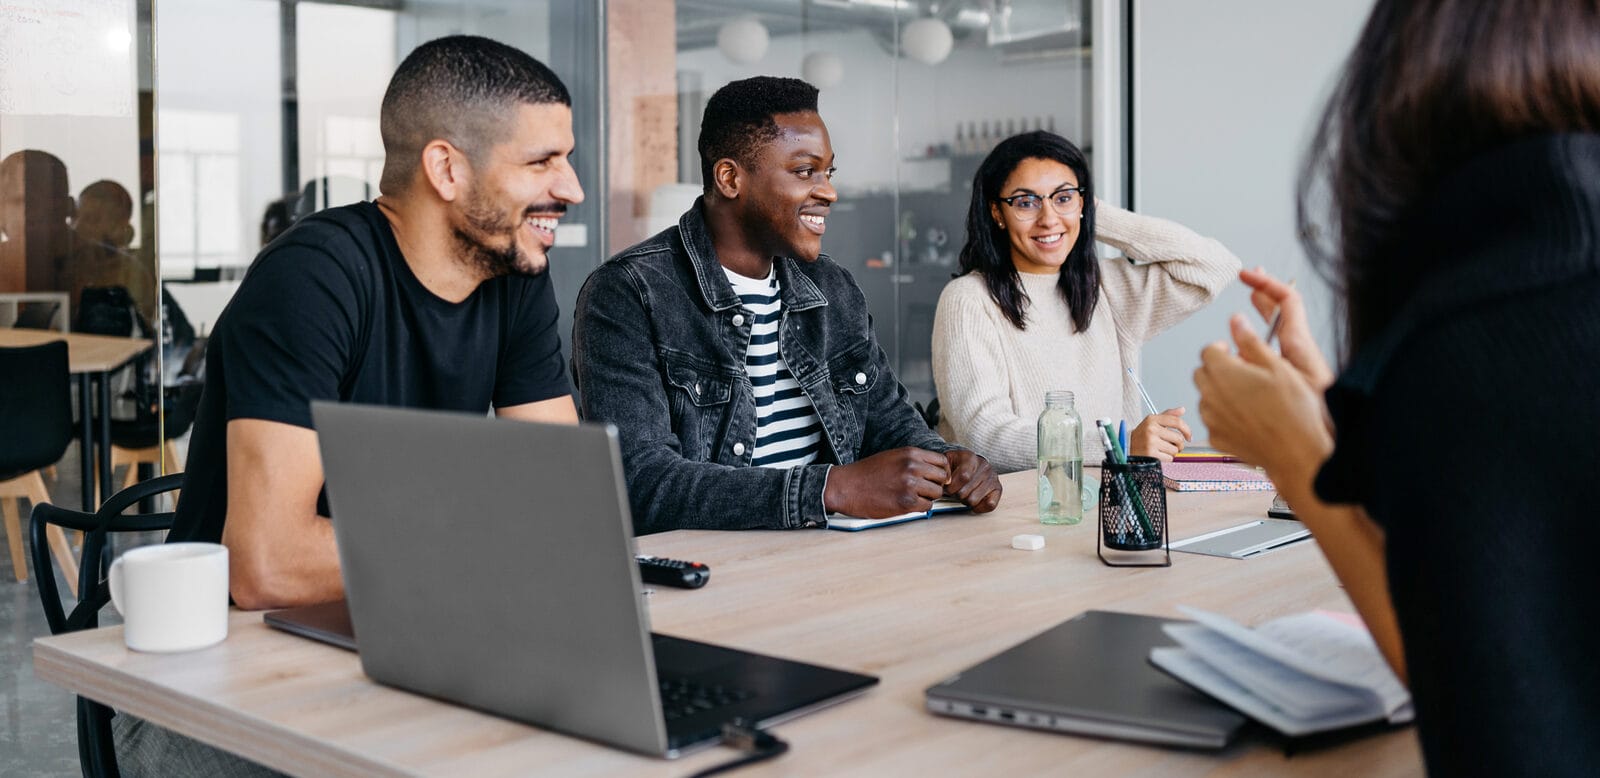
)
(93, 590)
(107, 310)
(180, 401)
(35, 407)
(96, 753)
(37, 316)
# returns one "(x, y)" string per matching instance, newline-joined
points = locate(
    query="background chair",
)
(37, 316)
(35, 428)
(146, 439)
(95, 748)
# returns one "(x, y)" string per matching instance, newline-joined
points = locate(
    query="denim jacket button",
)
(738, 320)
(861, 378)
(697, 388)
(738, 449)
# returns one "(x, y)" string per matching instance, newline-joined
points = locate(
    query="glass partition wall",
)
(77, 247)
(913, 93)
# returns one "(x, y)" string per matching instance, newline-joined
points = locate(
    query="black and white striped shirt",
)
(788, 432)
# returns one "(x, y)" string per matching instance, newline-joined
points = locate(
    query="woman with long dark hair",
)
(1459, 161)
(1035, 310)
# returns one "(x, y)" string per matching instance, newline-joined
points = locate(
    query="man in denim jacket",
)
(691, 370)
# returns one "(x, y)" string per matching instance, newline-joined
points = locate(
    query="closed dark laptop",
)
(328, 622)
(1089, 675)
(490, 563)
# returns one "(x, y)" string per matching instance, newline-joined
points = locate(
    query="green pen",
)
(1118, 457)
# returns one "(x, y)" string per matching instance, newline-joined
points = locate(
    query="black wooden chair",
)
(95, 749)
(35, 428)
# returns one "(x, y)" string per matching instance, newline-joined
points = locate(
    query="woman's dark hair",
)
(988, 251)
(1430, 84)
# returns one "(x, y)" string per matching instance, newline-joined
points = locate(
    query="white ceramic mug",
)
(172, 597)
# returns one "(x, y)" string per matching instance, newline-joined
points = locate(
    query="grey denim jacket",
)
(658, 349)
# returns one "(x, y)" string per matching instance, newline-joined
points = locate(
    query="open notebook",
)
(1299, 674)
(840, 521)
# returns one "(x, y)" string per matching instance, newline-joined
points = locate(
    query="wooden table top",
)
(912, 603)
(85, 353)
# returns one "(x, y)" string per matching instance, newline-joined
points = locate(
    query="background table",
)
(912, 603)
(88, 356)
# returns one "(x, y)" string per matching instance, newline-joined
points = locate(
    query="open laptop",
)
(490, 563)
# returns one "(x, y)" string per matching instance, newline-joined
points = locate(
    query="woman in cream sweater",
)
(1035, 310)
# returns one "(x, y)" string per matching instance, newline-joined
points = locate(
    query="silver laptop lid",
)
(490, 563)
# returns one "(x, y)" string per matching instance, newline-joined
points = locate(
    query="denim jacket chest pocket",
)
(698, 398)
(852, 376)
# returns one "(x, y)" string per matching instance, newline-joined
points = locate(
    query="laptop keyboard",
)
(681, 699)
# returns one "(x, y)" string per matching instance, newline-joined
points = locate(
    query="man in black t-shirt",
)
(432, 296)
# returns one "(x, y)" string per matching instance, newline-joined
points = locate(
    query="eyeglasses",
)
(1066, 201)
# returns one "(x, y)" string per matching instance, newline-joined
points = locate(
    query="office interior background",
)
(223, 121)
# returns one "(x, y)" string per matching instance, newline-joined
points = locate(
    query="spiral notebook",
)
(1214, 477)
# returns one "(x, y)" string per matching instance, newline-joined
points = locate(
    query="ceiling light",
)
(927, 40)
(743, 41)
(822, 69)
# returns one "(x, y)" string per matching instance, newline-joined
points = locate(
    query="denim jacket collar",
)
(799, 292)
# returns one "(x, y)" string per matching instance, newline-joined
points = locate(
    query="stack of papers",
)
(1300, 674)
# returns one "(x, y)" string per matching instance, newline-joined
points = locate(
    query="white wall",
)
(1225, 97)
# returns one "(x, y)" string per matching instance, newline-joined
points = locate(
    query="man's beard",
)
(491, 261)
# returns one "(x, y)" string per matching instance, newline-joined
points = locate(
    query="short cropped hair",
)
(738, 118)
(461, 89)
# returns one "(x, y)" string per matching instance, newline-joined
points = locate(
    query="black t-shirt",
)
(331, 311)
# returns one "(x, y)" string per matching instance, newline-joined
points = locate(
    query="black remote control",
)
(673, 572)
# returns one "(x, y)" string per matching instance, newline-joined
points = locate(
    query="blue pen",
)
(1122, 433)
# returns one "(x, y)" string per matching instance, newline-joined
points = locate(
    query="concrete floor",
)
(38, 724)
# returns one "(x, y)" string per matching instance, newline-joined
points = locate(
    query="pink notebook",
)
(1213, 477)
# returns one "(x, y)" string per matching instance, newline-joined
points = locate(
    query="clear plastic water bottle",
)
(1060, 460)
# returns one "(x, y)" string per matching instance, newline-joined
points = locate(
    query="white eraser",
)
(1028, 542)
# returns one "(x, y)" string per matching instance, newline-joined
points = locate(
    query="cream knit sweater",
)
(991, 377)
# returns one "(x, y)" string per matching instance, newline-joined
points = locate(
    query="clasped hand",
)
(908, 479)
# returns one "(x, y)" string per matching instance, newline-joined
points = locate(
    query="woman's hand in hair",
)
(1261, 408)
(1295, 342)
(1160, 435)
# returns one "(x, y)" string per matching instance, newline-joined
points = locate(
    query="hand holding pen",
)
(1282, 306)
(1162, 434)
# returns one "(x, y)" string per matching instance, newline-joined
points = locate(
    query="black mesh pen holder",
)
(1133, 515)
